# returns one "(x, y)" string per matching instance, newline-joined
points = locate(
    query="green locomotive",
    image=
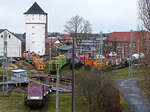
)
(55, 64)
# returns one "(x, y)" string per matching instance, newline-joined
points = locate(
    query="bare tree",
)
(78, 27)
(96, 90)
(144, 42)
(144, 13)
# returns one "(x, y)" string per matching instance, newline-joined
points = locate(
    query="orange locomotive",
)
(34, 59)
(94, 62)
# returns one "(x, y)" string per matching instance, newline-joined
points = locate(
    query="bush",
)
(97, 90)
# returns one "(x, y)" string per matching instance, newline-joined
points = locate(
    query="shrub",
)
(97, 90)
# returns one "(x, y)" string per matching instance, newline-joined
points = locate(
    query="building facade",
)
(119, 42)
(14, 44)
(36, 29)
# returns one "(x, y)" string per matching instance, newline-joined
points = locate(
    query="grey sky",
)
(104, 15)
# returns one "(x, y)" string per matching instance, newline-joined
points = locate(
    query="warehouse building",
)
(14, 44)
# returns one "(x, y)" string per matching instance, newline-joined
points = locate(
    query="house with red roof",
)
(53, 43)
(119, 42)
(66, 39)
(66, 36)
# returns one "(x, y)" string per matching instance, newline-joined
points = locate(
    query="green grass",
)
(145, 85)
(65, 69)
(123, 73)
(15, 103)
(124, 103)
(64, 105)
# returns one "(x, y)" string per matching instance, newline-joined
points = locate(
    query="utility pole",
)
(100, 59)
(5, 66)
(57, 89)
(130, 55)
(73, 77)
(50, 50)
(123, 52)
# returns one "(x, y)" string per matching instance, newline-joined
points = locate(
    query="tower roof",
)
(35, 9)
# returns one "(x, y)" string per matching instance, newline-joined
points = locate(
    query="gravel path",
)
(134, 96)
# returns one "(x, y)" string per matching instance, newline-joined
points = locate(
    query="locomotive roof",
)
(39, 75)
(18, 70)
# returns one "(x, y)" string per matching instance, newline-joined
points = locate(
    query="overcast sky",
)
(104, 15)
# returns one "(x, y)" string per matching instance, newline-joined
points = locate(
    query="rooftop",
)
(125, 36)
(35, 9)
(18, 70)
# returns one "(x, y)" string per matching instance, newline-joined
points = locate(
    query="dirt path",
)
(134, 96)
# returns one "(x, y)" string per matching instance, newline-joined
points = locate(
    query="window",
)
(9, 36)
(118, 45)
(109, 43)
(125, 44)
(134, 44)
(1, 36)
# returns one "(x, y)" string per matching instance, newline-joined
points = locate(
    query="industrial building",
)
(14, 44)
(36, 29)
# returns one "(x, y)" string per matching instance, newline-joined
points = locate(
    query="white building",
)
(13, 44)
(36, 29)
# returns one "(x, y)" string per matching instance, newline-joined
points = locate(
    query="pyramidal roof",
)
(35, 9)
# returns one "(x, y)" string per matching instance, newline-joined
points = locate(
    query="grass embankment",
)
(123, 73)
(64, 103)
(124, 104)
(145, 86)
(15, 103)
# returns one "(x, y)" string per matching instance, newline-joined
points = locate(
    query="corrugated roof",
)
(35, 9)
